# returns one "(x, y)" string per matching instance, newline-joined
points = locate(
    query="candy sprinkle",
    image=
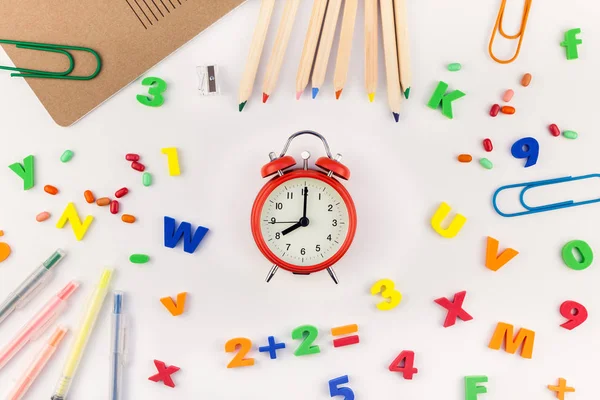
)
(465, 158)
(570, 134)
(41, 217)
(485, 163)
(454, 67)
(139, 258)
(66, 156)
(146, 179)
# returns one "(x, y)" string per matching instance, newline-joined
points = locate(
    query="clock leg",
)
(271, 273)
(333, 275)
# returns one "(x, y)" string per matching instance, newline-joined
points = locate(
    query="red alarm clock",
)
(304, 220)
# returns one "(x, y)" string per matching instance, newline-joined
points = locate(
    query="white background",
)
(400, 174)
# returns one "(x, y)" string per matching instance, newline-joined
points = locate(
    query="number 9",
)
(388, 293)
(528, 148)
(575, 313)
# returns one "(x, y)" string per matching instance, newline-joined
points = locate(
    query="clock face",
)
(299, 234)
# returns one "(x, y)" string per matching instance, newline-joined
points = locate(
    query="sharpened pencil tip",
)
(396, 116)
(265, 97)
(242, 105)
(338, 94)
(315, 92)
(298, 95)
(407, 93)
(371, 97)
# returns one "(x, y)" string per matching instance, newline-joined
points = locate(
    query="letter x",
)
(454, 308)
(164, 373)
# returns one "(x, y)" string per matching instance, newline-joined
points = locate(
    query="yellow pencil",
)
(403, 46)
(256, 48)
(325, 44)
(345, 47)
(371, 47)
(279, 48)
(391, 57)
(310, 46)
(81, 340)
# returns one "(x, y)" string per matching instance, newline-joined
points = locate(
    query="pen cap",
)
(55, 308)
(119, 325)
(39, 278)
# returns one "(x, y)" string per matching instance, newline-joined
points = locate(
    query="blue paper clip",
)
(548, 207)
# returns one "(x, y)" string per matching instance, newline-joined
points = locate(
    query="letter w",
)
(173, 235)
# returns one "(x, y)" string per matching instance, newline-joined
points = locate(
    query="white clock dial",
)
(304, 241)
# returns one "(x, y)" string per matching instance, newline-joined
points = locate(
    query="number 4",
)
(334, 390)
(404, 363)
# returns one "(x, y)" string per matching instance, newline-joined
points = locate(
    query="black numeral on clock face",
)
(279, 206)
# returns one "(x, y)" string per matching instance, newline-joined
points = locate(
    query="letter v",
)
(175, 309)
(494, 261)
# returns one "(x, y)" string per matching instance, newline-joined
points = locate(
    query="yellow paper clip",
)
(519, 35)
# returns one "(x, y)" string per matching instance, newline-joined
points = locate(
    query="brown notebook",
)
(131, 36)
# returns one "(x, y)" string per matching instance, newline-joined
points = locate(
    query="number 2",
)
(308, 334)
(239, 360)
(334, 390)
(158, 87)
(388, 292)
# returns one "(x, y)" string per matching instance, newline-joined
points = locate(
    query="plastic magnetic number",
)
(528, 148)
(334, 390)
(388, 291)
(239, 360)
(404, 363)
(308, 334)
(575, 313)
(584, 250)
(157, 87)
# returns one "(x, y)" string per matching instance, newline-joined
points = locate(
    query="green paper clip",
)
(52, 48)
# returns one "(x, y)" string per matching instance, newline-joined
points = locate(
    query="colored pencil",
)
(310, 46)
(256, 48)
(391, 57)
(279, 48)
(403, 46)
(371, 47)
(344, 47)
(325, 44)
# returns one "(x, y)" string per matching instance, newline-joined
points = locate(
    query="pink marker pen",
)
(36, 327)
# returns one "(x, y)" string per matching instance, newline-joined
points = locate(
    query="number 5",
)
(334, 390)
(388, 293)
(158, 86)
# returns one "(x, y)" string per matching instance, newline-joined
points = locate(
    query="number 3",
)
(158, 87)
(388, 293)
(334, 390)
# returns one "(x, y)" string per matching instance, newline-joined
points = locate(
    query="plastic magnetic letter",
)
(504, 332)
(446, 100)
(528, 148)
(175, 308)
(561, 389)
(584, 250)
(70, 214)
(164, 373)
(25, 171)
(455, 226)
(571, 42)
(472, 388)
(454, 308)
(335, 390)
(495, 261)
(387, 287)
(404, 363)
(4, 249)
(172, 160)
(575, 313)
(184, 230)
(156, 99)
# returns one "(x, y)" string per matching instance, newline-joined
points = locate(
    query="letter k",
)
(571, 42)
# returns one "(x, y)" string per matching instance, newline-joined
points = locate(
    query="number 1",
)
(172, 160)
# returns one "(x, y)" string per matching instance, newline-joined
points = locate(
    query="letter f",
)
(571, 42)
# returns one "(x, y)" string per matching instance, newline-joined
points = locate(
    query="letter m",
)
(504, 332)
(174, 234)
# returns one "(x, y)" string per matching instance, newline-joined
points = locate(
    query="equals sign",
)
(345, 330)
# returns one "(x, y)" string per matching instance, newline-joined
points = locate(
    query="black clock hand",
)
(283, 222)
(291, 228)
(305, 200)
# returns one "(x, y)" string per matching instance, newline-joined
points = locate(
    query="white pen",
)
(31, 286)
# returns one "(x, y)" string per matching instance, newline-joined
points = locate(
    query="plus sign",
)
(272, 347)
(561, 389)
